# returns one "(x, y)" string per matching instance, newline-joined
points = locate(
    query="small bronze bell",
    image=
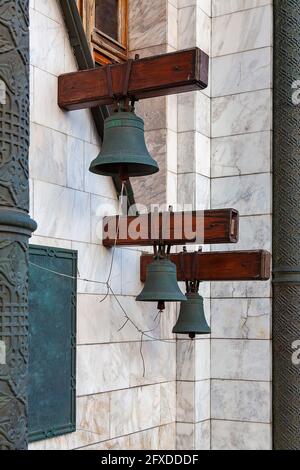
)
(161, 284)
(124, 152)
(191, 320)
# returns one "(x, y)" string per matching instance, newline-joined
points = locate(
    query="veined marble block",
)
(223, 7)
(248, 194)
(75, 163)
(245, 71)
(230, 435)
(242, 113)
(241, 318)
(50, 9)
(241, 401)
(252, 30)
(241, 359)
(237, 289)
(148, 23)
(241, 154)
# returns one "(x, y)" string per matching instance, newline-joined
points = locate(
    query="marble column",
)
(15, 223)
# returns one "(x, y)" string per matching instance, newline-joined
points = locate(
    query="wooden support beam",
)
(218, 266)
(161, 75)
(178, 228)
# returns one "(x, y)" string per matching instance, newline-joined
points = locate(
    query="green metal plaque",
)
(52, 342)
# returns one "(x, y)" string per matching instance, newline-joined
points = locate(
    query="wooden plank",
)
(178, 228)
(218, 266)
(161, 75)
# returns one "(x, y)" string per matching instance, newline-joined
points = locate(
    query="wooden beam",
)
(218, 266)
(161, 75)
(179, 228)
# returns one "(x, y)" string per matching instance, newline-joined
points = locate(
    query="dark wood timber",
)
(218, 266)
(165, 74)
(211, 226)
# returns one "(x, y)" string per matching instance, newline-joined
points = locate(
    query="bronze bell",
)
(191, 320)
(124, 152)
(161, 284)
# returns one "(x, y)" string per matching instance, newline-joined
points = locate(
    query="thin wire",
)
(115, 242)
(65, 275)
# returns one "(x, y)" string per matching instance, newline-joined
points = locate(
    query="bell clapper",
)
(161, 306)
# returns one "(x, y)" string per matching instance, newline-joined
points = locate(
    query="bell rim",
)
(192, 330)
(140, 169)
(163, 298)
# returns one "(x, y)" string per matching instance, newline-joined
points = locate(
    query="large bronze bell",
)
(161, 284)
(124, 152)
(191, 320)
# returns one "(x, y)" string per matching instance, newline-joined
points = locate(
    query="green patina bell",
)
(161, 284)
(191, 320)
(124, 152)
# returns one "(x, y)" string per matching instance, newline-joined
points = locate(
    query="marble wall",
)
(241, 125)
(194, 171)
(118, 406)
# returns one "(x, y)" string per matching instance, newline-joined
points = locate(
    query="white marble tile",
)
(93, 320)
(185, 436)
(202, 359)
(54, 242)
(101, 207)
(241, 401)
(172, 26)
(46, 39)
(172, 113)
(202, 400)
(187, 27)
(203, 31)
(48, 155)
(93, 415)
(202, 436)
(255, 234)
(245, 71)
(147, 23)
(185, 402)
(131, 261)
(202, 192)
(203, 153)
(122, 443)
(248, 289)
(75, 163)
(96, 184)
(61, 212)
(140, 410)
(252, 30)
(230, 435)
(94, 264)
(187, 112)
(159, 361)
(248, 194)
(187, 189)
(102, 368)
(167, 437)
(172, 150)
(193, 153)
(172, 192)
(50, 9)
(241, 154)
(185, 360)
(241, 359)
(241, 114)
(203, 114)
(66, 442)
(47, 112)
(153, 113)
(241, 318)
(168, 403)
(223, 7)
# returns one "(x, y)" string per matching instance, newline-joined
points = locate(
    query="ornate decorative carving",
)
(286, 305)
(15, 224)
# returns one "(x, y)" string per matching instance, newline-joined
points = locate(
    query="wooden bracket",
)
(218, 266)
(172, 228)
(161, 75)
